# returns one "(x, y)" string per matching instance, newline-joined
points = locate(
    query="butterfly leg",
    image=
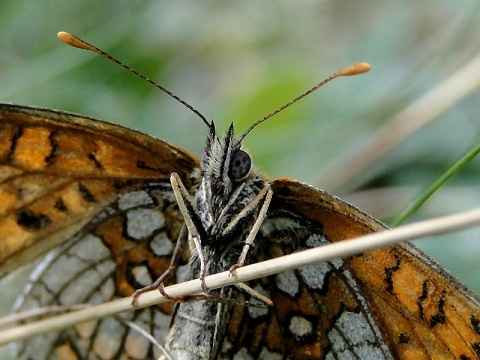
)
(255, 228)
(188, 212)
(189, 232)
(266, 195)
(186, 208)
(158, 284)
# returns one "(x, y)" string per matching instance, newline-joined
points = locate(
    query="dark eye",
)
(240, 165)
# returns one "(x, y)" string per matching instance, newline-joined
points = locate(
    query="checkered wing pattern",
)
(319, 311)
(421, 311)
(96, 198)
(125, 247)
(98, 195)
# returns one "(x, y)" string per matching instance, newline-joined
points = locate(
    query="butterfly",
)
(101, 201)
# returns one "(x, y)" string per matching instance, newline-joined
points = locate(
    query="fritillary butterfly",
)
(101, 200)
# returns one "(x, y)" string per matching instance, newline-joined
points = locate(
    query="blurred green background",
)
(237, 61)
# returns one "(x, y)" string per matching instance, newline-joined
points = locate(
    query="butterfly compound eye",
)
(240, 165)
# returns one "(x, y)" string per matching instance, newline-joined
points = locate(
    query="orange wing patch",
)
(56, 175)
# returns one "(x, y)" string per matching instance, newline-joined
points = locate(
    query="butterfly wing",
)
(68, 177)
(124, 247)
(423, 310)
(100, 196)
(392, 302)
(57, 170)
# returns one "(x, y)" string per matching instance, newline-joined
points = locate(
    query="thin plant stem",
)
(410, 210)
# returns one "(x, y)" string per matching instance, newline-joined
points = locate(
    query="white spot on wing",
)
(141, 275)
(86, 330)
(136, 345)
(90, 249)
(107, 341)
(352, 337)
(60, 273)
(337, 341)
(226, 346)
(337, 263)
(314, 275)
(141, 223)
(355, 327)
(161, 245)
(369, 352)
(316, 240)
(105, 293)
(134, 198)
(36, 347)
(242, 354)
(300, 327)
(287, 282)
(85, 283)
(268, 355)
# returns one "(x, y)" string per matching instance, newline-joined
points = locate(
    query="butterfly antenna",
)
(74, 41)
(354, 69)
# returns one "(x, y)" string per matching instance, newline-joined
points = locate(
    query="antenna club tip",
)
(64, 36)
(354, 69)
(74, 41)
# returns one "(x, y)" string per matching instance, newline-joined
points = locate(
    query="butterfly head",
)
(223, 163)
(227, 174)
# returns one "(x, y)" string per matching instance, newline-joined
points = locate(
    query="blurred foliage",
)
(237, 61)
